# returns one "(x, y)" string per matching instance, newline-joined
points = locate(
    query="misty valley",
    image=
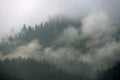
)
(63, 48)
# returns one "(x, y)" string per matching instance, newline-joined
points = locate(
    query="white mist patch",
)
(73, 61)
(96, 23)
(102, 57)
(29, 50)
(69, 35)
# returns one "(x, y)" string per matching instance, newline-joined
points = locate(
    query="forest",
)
(56, 35)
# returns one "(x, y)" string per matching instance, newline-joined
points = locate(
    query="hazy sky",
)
(15, 13)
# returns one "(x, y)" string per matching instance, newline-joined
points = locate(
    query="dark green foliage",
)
(110, 74)
(48, 32)
(29, 69)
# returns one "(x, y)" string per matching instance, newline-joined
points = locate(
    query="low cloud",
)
(100, 51)
(30, 50)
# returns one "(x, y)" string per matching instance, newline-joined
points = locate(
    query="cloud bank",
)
(98, 50)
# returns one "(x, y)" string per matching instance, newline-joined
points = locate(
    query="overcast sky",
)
(15, 13)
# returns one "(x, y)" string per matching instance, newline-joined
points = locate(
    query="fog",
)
(102, 53)
(98, 18)
(15, 13)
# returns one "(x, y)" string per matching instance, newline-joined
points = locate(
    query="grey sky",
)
(15, 13)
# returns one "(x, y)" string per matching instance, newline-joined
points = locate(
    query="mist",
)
(101, 50)
(15, 13)
(85, 50)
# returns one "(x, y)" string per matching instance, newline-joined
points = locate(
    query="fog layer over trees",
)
(63, 48)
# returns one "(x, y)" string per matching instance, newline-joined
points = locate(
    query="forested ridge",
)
(47, 34)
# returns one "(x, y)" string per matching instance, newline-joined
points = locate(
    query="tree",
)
(24, 29)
